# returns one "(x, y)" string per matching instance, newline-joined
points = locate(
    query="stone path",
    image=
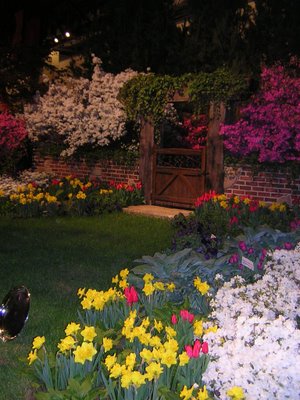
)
(156, 211)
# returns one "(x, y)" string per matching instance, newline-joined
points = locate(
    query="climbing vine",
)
(147, 95)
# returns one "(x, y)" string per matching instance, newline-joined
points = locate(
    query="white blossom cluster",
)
(9, 185)
(257, 345)
(82, 111)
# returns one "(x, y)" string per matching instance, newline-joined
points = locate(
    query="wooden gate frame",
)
(214, 150)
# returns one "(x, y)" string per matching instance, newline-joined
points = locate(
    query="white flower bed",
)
(9, 185)
(257, 343)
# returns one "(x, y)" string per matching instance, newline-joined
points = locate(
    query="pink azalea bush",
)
(12, 138)
(270, 125)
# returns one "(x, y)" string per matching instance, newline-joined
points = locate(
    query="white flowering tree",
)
(80, 111)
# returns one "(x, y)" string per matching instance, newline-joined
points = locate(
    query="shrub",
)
(80, 112)
(269, 127)
(13, 137)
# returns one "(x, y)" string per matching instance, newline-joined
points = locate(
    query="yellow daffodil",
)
(198, 328)
(154, 370)
(202, 287)
(84, 352)
(38, 342)
(126, 379)
(80, 195)
(186, 393)
(130, 361)
(107, 344)
(81, 293)
(183, 358)
(66, 344)
(159, 286)
(124, 273)
(236, 393)
(116, 370)
(147, 355)
(148, 278)
(158, 325)
(137, 378)
(110, 361)
(171, 345)
(171, 333)
(87, 303)
(168, 358)
(202, 394)
(148, 289)
(211, 329)
(72, 328)
(123, 284)
(32, 356)
(223, 204)
(89, 333)
(170, 287)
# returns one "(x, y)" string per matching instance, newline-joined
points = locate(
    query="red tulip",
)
(131, 295)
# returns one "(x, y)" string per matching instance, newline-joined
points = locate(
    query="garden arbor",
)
(180, 183)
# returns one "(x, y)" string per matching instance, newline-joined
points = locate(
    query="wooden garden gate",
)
(179, 185)
(178, 176)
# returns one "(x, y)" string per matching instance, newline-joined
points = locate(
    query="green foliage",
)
(148, 94)
(184, 265)
(220, 86)
(181, 268)
(76, 390)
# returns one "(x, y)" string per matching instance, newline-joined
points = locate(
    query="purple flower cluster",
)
(270, 124)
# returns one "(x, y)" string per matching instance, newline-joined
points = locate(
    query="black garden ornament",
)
(14, 312)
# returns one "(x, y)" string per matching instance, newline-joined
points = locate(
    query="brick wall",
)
(105, 170)
(268, 186)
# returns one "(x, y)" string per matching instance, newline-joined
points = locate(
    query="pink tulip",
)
(204, 347)
(131, 295)
(186, 316)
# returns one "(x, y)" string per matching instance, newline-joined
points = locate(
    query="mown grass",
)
(53, 257)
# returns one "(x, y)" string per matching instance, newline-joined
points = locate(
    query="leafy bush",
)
(13, 136)
(269, 126)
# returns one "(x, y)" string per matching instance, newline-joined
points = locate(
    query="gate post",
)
(146, 153)
(214, 152)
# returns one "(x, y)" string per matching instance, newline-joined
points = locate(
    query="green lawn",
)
(53, 257)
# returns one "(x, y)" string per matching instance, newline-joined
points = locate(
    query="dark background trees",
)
(143, 34)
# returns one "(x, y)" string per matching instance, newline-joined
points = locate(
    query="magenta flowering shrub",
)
(270, 125)
(12, 139)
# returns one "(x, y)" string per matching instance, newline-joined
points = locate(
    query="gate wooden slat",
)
(178, 186)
